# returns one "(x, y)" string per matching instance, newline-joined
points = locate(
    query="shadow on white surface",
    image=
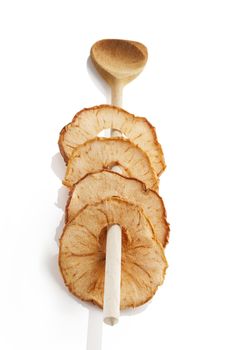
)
(58, 166)
(95, 328)
(95, 315)
(98, 81)
(59, 229)
(136, 311)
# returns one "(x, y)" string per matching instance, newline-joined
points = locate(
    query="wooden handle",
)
(117, 92)
(117, 89)
(112, 282)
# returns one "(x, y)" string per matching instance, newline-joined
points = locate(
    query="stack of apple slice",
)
(99, 198)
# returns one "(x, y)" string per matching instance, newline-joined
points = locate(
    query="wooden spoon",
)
(118, 62)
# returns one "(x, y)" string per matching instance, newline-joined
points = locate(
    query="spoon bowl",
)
(119, 61)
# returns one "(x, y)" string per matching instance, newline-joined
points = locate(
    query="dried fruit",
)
(82, 253)
(88, 123)
(103, 153)
(98, 186)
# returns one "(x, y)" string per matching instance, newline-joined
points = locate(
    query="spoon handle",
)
(112, 284)
(117, 89)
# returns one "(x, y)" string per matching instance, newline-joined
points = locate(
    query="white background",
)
(186, 90)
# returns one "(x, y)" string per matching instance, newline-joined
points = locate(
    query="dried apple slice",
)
(98, 186)
(89, 122)
(82, 253)
(103, 153)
